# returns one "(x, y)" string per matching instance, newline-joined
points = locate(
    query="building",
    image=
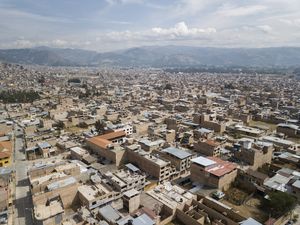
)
(209, 122)
(107, 146)
(152, 165)
(180, 159)
(208, 148)
(51, 212)
(204, 209)
(290, 130)
(131, 200)
(5, 153)
(124, 180)
(254, 154)
(93, 196)
(213, 172)
(149, 145)
(127, 128)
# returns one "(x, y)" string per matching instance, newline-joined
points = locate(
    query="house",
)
(213, 172)
(5, 153)
(208, 147)
(107, 146)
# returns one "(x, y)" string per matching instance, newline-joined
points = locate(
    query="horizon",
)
(146, 46)
(110, 25)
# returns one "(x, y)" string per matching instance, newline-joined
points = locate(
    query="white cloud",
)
(265, 28)
(179, 32)
(230, 10)
(113, 2)
(291, 22)
(182, 30)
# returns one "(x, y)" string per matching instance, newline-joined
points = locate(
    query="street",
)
(23, 202)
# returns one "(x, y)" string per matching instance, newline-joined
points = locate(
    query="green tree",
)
(60, 125)
(100, 126)
(279, 203)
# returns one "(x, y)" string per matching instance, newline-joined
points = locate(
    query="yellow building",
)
(5, 153)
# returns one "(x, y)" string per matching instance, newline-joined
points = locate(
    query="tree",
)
(279, 203)
(168, 87)
(83, 125)
(100, 126)
(60, 125)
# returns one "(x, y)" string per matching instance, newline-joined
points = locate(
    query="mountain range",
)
(156, 56)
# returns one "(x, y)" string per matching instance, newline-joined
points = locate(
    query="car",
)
(218, 195)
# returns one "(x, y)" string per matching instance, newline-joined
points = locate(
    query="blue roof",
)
(44, 145)
(204, 130)
(143, 219)
(250, 221)
(109, 213)
(5, 170)
(132, 167)
(181, 154)
(61, 183)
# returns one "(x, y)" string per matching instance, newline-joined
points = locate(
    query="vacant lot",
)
(250, 209)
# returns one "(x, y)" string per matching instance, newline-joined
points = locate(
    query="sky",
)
(107, 25)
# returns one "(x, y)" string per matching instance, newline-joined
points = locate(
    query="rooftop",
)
(181, 154)
(203, 161)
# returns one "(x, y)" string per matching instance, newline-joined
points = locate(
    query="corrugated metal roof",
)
(109, 213)
(181, 154)
(61, 183)
(250, 221)
(132, 167)
(203, 161)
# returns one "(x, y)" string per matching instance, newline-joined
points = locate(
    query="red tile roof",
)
(221, 167)
(104, 140)
(113, 135)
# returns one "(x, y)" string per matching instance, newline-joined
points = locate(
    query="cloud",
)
(265, 28)
(291, 22)
(114, 2)
(181, 30)
(230, 10)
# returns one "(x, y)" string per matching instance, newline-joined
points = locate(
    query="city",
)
(148, 146)
(149, 112)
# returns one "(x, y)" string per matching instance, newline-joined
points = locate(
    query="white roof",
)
(203, 161)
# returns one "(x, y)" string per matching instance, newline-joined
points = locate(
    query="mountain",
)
(157, 56)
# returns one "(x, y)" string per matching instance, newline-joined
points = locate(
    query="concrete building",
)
(5, 153)
(290, 130)
(131, 200)
(180, 159)
(254, 154)
(93, 196)
(50, 213)
(208, 148)
(155, 167)
(124, 180)
(107, 146)
(213, 172)
(204, 209)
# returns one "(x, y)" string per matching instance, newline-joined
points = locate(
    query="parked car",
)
(218, 195)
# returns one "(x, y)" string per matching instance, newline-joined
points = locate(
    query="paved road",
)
(23, 204)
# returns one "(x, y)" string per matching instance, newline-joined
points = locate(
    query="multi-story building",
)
(124, 180)
(208, 148)
(180, 159)
(154, 166)
(213, 172)
(254, 154)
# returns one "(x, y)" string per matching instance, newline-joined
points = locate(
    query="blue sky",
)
(105, 25)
